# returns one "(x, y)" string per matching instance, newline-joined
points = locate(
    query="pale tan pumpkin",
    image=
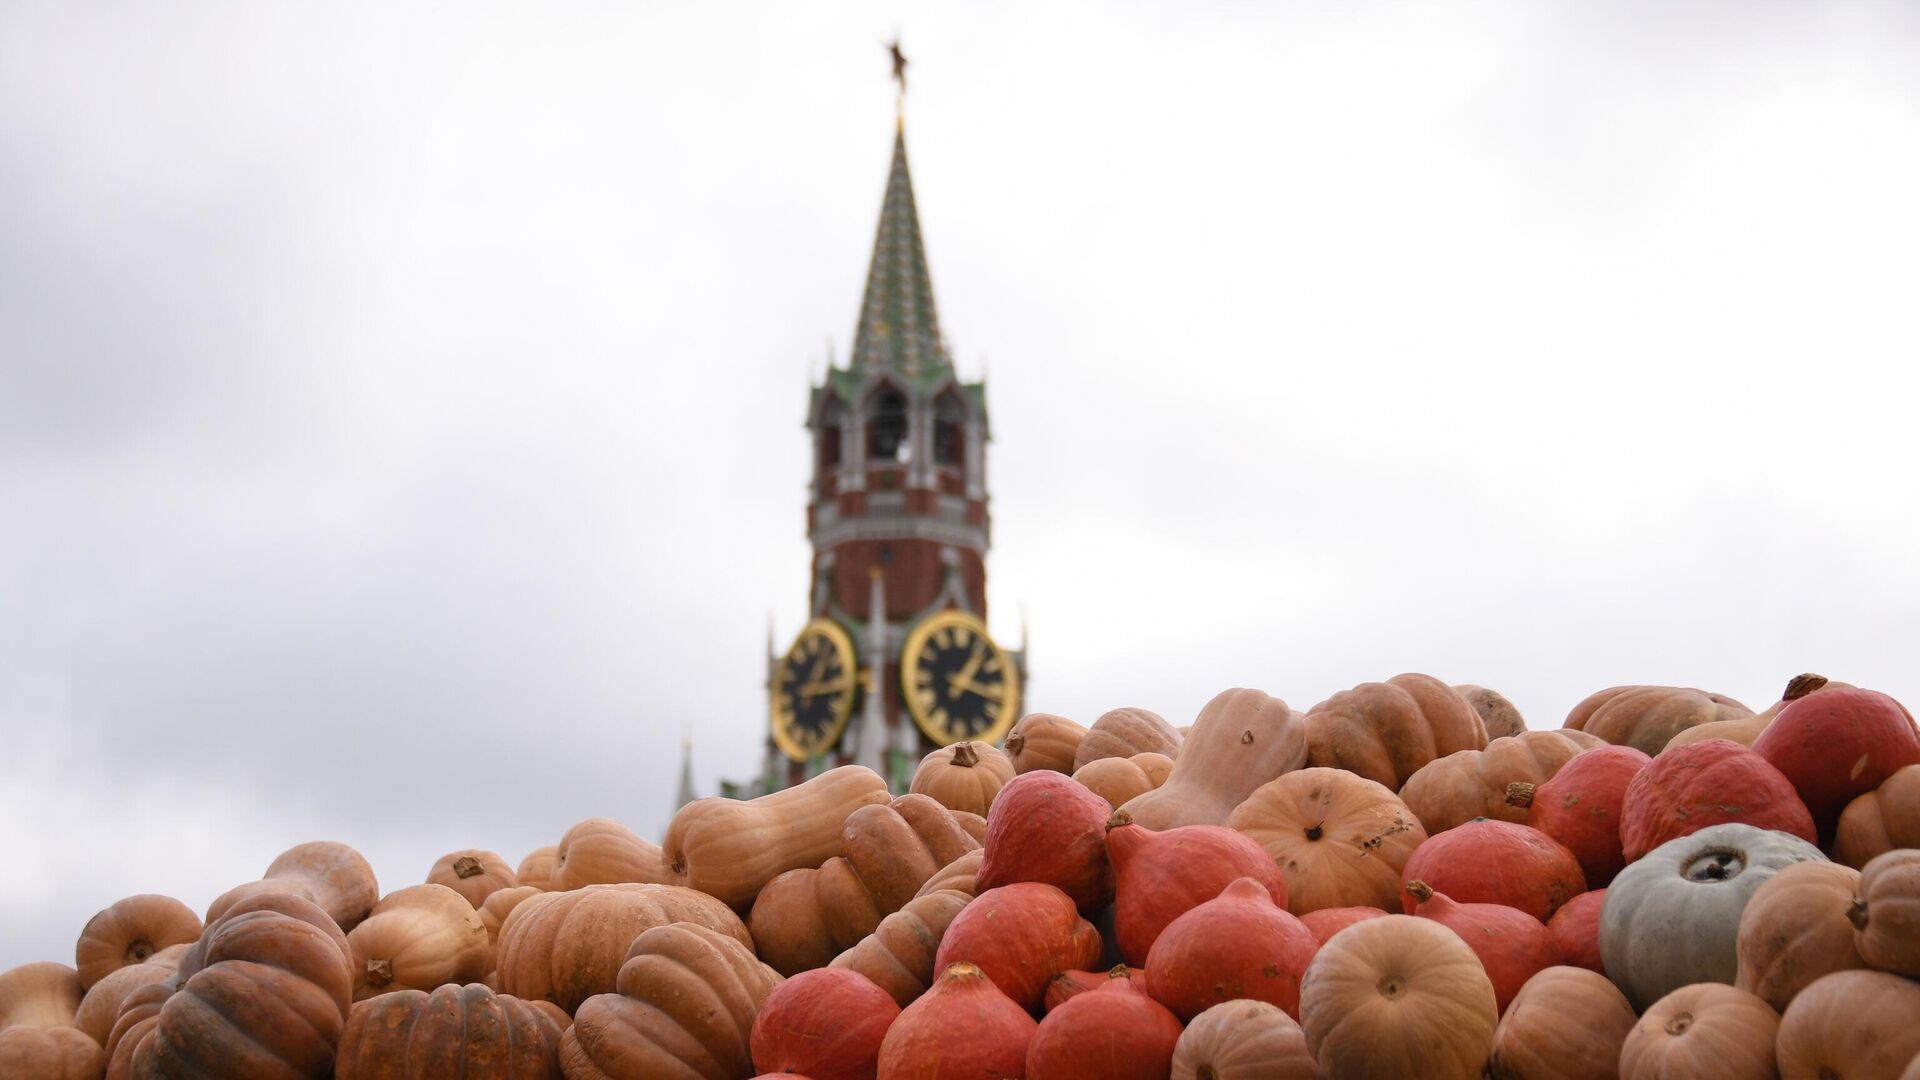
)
(1387, 731)
(1850, 1024)
(1119, 779)
(958, 875)
(1883, 819)
(1124, 733)
(418, 938)
(537, 868)
(1794, 929)
(1044, 741)
(500, 904)
(1341, 840)
(60, 1053)
(40, 995)
(731, 849)
(1885, 912)
(565, 947)
(1745, 729)
(1499, 714)
(1240, 740)
(898, 956)
(101, 1005)
(1707, 1029)
(601, 851)
(1648, 717)
(1468, 784)
(130, 932)
(1566, 1023)
(330, 874)
(472, 873)
(964, 776)
(1398, 996)
(1243, 1040)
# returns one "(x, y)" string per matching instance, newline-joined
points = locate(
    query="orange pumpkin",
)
(1706, 1029)
(1044, 741)
(130, 932)
(960, 875)
(1021, 936)
(1119, 779)
(101, 1007)
(1244, 1040)
(1745, 729)
(1885, 912)
(1387, 731)
(1124, 733)
(1499, 714)
(537, 868)
(468, 1032)
(1850, 1023)
(964, 776)
(1242, 739)
(899, 955)
(1567, 1023)
(565, 947)
(1340, 839)
(827, 1023)
(418, 938)
(1398, 996)
(499, 905)
(59, 1053)
(730, 849)
(1881, 820)
(472, 873)
(1113, 1033)
(40, 995)
(962, 1027)
(1794, 929)
(1648, 717)
(1469, 784)
(330, 874)
(601, 851)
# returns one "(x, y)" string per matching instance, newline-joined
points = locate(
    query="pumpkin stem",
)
(1801, 685)
(379, 972)
(1205, 1072)
(679, 864)
(1680, 1023)
(1119, 971)
(138, 950)
(1246, 737)
(1119, 818)
(1420, 891)
(466, 866)
(1016, 741)
(965, 756)
(1520, 793)
(1857, 913)
(1314, 832)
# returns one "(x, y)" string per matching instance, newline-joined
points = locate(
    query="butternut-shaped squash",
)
(730, 849)
(1467, 784)
(1124, 733)
(1119, 779)
(1241, 740)
(330, 874)
(1044, 741)
(898, 956)
(601, 851)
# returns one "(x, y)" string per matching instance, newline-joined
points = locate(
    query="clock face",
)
(959, 684)
(813, 691)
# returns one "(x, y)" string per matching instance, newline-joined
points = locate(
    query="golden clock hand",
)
(973, 667)
(813, 679)
(990, 693)
(815, 689)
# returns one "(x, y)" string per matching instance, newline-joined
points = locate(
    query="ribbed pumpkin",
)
(1124, 733)
(467, 1032)
(1497, 862)
(1044, 827)
(264, 992)
(1744, 730)
(1580, 807)
(1837, 745)
(1512, 945)
(565, 947)
(1707, 783)
(537, 868)
(601, 851)
(1706, 1029)
(1647, 717)
(899, 955)
(101, 1007)
(1113, 1033)
(1850, 1024)
(1021, 935)
(1500, 716)
(1398, 996)
(827, 1024)
(1044, 741)
(58, 1053)
(961, 876)
(1885, 818)
(130, 932)
(1469, 784)
(1159, 876)
(963, 1028)
(1575, 930)
(964, 776)
(1237, 945)
(1795, 930)
(40, 995)
(730, 849)
(804, 918)
(684, 1010)
(1885, 912)
(330, 874)
(1068, 985)
(473, 873)
(500, 904)
(1241, 740)
(1326, 922)
(1566, 1023)
(418, 938)
(1244, 1040)
(1340, 840)
(1673, 918)
(1119, 779)
(1387, 731)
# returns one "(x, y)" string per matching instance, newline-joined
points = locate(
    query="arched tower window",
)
(887, 426)
(831, 421)
(949, 432)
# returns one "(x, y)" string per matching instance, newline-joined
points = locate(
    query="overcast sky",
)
(400, 405)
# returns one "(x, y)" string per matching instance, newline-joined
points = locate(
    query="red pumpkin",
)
(1021, 935)
(1838, 744)
(962, 1029)
(1512, 945)
(1575, 930)
(1327, 922)
(1498, 862)
(827, 1023)
(1044, 826)
(1714, 782)
(1580, 807)
(1160, 876)
(1113, 1033)
(1237, 945)
(1068, 985)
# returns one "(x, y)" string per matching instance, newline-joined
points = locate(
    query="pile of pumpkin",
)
(1403, 881)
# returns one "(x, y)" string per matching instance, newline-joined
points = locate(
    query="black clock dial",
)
(960, 684)
(813, 692)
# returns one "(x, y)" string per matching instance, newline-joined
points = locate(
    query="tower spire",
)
(899, 329)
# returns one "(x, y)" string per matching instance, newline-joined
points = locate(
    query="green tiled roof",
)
(899, 330)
